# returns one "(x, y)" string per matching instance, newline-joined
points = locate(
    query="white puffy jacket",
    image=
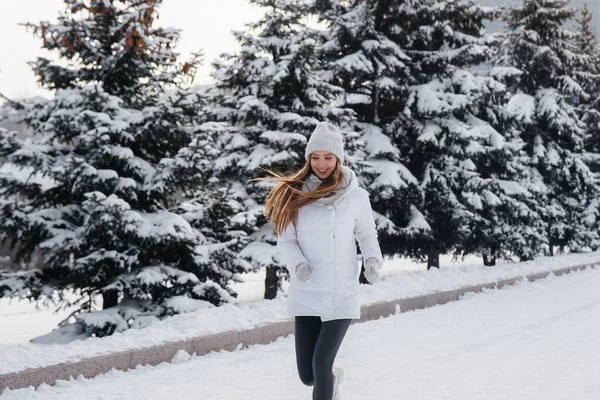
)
(325, 239)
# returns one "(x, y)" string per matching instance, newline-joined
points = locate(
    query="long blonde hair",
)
(287, 197)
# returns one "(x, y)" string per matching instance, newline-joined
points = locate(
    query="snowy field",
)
(529, 341)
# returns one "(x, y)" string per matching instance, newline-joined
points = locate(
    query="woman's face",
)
(323, 163)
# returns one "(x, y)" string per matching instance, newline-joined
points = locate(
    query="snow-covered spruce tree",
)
(446, 136)
(507, 194)
(270, 94)
(116, 162)
(547, 96)
(215, 208)
(374, 72)
(504, 195)
(588, 44)
(114, 43)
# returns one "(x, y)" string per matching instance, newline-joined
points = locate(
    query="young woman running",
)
(319, 212)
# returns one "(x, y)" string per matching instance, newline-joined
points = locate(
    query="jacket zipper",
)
(333, 272)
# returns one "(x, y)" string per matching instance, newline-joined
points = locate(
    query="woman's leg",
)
(331, 337)
(306, 333)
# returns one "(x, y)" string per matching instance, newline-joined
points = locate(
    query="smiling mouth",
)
(322, 170)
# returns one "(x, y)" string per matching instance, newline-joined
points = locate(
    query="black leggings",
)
(317, 344)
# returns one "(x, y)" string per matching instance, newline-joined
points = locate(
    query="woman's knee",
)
(322, 363)
(307, 378)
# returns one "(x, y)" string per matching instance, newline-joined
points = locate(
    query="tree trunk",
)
(110, 299)
(489, 261)
(362, 278)
(271, 283)
(376, 119)
(551, 248)
(433, 259)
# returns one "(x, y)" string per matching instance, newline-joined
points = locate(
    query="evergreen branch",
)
(16, 104)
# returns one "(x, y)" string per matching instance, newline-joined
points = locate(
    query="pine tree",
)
(111, 164)
(507, 193)
(445, 131)
(591, 108)
(271, 94)
(547, 96)
(215, 208)
(505, 197)
(113, 43)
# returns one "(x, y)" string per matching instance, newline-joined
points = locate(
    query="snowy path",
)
(531, 341)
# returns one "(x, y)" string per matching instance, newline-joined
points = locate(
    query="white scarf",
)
(313, 182)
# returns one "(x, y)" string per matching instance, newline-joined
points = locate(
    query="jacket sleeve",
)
(289, 249)
(366, 233)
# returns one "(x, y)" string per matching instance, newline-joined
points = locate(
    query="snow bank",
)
(246, 316)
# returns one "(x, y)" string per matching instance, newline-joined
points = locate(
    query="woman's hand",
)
(371, 270)
(303, 272)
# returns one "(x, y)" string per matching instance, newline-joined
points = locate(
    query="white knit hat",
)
(326, 137)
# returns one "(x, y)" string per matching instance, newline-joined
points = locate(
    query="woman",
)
(318, 213)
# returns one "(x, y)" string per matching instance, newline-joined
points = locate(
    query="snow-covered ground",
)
(248, 315)
(536, 340)
(21, 320)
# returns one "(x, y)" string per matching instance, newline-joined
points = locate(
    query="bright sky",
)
(204, 24)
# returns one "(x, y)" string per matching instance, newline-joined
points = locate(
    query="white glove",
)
(371, 270)
(303, 272)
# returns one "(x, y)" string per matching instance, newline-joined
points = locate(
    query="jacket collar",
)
(350, 182)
